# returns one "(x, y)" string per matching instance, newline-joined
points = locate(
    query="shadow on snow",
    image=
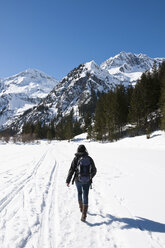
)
(129, 223)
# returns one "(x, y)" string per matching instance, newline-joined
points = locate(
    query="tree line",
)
(61, 129)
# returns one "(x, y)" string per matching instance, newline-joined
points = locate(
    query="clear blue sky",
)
(55, 36)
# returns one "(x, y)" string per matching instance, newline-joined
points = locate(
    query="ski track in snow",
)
(31, 189)
(37, 210)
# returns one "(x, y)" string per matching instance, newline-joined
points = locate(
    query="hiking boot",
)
(84, 212)
(80, 206)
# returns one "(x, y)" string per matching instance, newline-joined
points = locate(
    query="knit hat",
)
(81, 148)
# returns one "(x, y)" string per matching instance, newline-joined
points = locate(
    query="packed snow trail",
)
(126, 204)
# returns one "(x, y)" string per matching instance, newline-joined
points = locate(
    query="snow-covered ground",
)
(126, 204)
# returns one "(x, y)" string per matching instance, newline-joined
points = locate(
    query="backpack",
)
(84, 169)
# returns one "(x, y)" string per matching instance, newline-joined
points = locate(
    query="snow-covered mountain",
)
(74, 90)
(128, 67)
(22, 92)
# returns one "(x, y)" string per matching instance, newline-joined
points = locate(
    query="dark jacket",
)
(74, 166)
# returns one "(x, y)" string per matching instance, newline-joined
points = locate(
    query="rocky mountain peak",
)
(131, 62)
(128, 67)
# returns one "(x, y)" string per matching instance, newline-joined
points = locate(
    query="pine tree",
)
(162, 99)
(136, 106)
(60, 130)
(38, 131)
(87, 121)
(121, 107)
(49, 134)
(100, 119)
(77, 128)
(111, 114)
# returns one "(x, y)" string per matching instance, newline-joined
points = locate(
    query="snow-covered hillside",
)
(21, 92)
(126, 204)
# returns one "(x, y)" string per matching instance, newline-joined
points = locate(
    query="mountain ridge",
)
(73, 90)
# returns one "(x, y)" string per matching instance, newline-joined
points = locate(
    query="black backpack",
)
(84, 169)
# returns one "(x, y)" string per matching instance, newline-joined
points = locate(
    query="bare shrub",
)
(28, 138)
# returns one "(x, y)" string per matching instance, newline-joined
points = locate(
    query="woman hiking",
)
(84, 168)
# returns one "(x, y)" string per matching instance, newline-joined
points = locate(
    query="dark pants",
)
(83, 191)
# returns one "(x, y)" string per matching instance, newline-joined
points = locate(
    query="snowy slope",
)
(21, 92)
(126, 204)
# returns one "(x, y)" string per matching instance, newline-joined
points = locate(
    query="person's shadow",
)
(129, 223)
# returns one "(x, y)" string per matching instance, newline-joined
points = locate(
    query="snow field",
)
(126, 204)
